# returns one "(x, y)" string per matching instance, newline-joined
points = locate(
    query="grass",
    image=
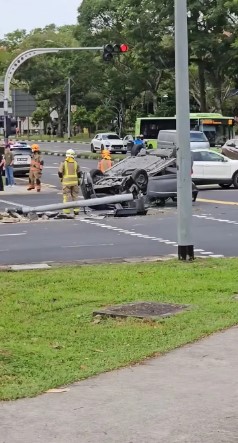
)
(48, 138)
(48, 336)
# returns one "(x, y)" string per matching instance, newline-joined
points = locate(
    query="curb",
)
(52, 141)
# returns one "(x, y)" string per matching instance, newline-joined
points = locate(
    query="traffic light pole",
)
(19, 60)
(184, 182)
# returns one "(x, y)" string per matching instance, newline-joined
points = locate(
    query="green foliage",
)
(135, 83)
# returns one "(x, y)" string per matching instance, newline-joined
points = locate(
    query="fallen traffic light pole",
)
(113, 199)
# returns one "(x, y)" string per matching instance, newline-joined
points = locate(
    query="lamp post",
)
(21, 58)
(184, 181)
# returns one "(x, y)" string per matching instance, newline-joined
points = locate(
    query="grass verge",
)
(48, 337)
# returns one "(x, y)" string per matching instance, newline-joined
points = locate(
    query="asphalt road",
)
(62, 147)
(215, 228)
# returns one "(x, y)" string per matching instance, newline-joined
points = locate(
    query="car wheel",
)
(95, 175)
(102, 148)
(235, 180)
(195, 194)
(225, 185)
(93, 149)
(140, 178)
(150, 146)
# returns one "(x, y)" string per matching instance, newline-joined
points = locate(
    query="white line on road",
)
(88, 246)
(12, 235)
(10, 203)
(146, 237)
(221, 220)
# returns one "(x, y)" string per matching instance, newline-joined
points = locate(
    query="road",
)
(215, 228)
(62, 147)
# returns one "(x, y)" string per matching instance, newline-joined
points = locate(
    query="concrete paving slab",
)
(29, 267)
(188, 395)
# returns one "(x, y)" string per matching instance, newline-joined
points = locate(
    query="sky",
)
(30, 14)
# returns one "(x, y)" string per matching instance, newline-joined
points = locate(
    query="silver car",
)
(22, 159)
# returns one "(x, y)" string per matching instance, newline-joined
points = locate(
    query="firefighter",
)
(106, 162)
(69, 174)
(35, 169)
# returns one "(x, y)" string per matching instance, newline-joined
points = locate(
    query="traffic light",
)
(109, 51)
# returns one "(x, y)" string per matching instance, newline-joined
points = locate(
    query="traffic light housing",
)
(109, 51)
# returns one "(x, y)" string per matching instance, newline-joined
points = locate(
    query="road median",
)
(50, 338)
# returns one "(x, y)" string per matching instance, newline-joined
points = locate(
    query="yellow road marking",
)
(221, 202)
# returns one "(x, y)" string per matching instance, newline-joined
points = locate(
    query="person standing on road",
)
(106, 162)
(2, 163)
(35, 169)
(9, 158)
(69, 174)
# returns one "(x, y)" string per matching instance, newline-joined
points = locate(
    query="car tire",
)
(225, 185)
(150, 146)
(85, 191)
(194, 197)
(102, 148)
(140, 178)
(95, 174)
(235, 180)
(93, 149)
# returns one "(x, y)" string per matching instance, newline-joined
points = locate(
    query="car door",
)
(216, 166)
(197, 167)
(96, 141)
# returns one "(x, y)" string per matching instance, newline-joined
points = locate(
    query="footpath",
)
(189, 395)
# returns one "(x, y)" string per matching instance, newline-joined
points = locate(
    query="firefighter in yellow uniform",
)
(35, 169)
(106, 162)
(69, 174)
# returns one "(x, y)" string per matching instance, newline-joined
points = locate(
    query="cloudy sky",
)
(29, 14)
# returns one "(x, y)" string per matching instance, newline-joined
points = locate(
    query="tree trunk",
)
(155, 103)
(202, 86)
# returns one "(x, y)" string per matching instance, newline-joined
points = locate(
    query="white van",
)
(167, 139)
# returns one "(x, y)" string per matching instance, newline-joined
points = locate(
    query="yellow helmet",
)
(106, 155)
(35, 148)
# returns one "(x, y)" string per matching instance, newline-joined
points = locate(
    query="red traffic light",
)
(123, 48)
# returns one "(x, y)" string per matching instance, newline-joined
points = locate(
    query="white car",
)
(22, 159)
(210, 167)
(109, 141)
(21, 145)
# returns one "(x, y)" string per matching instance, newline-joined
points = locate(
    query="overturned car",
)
(148, 175)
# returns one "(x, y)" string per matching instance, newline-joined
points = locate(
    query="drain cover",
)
(141, 310)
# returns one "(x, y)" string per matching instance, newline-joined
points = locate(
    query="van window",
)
(197, 137)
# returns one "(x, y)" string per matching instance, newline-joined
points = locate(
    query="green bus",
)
(217, 128)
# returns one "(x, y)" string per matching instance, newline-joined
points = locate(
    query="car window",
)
(196, 156)
(21, 151)
(210, 157)
(111, 137)
(197, 137)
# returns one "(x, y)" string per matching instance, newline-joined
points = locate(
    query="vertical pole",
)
(184, 182)
(5, 119)
(69, 107)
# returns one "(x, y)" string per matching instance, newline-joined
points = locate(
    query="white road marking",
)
(221, 220)
(10, 203)
(88, 246)
(144, 236)
(12, 235)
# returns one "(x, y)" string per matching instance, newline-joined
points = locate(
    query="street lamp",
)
(184, 181)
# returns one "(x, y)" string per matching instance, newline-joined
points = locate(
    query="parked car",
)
(128, 142)
(211, 167)
(110, 141)
(22, 159)
(167, 139)
(230, 149)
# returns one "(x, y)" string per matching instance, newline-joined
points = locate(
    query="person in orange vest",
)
(106, 162)
(35, 169)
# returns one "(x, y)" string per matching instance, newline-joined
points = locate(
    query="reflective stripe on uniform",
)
(70, 178)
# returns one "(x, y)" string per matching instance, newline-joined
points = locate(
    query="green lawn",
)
(48, 337)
